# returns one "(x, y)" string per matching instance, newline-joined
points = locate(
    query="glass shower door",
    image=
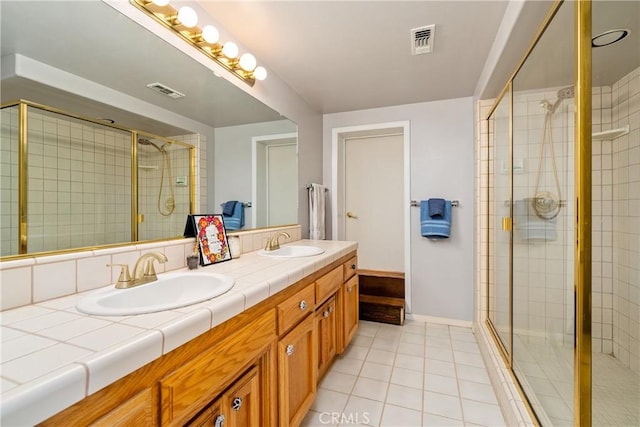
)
(543, 230)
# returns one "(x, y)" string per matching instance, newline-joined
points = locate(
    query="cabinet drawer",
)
(350, 268)
(291, 311)
(327, 284)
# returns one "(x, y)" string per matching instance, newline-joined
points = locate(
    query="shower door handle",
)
(506, 223)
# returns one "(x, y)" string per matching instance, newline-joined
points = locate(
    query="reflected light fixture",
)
(184, 23)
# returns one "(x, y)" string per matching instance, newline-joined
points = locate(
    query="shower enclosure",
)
(70, 182)
(563, 231)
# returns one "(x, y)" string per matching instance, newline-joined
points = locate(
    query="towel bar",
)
(309, 186)
(416, 204)
(245, 204)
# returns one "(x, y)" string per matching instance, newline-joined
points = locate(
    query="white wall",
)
(442, 165)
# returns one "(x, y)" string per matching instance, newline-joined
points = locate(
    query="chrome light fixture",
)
(184, 23)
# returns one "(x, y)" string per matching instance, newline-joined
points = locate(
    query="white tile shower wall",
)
(624, 222)
(602, 249)
(79, 183)
(9, 181)
(32, 280)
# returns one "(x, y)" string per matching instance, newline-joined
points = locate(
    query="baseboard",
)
(440, 320)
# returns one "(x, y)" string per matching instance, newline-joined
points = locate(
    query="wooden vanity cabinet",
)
(297, 372)
(327, 332)
(264, 362)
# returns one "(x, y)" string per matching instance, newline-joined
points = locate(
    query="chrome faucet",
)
(273, 244)
(143, 271)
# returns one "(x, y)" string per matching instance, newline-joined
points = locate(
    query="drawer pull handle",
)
(353, 266)
(236, 404)
(326, 313)
(219, 422)
(350, 289)
(330, 309)
(289, 349)
(303, 305)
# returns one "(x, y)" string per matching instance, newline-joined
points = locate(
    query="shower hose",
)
(545, 204)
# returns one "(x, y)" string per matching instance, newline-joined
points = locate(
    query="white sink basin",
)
(171, 290)
(292, 251)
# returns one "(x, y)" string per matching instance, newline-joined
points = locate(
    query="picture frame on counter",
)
(211, 237)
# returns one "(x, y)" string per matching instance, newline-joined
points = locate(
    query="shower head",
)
(566, 93)
(143, 141)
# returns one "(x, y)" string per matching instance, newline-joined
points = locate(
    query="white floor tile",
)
(406, 377)
(395, 416)
(338, 381)
(405, 397)
(409, 362)
(319, 419)
(477, 391)
(329, 401)
(441, 384)
(438, 342)
(442, 404)
(471, 373)
(439, 353)
(376, 371)
(411, 349)
(432, 420)
(440, 367)
(346, 365)
(370, 389)
(364, 411)
(382, 357)
(482, 413)
(471, 359)
(355, 352)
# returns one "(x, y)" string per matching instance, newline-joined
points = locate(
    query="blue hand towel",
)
(228, 207)
(235, 221)
(436, 208)
(435, 228)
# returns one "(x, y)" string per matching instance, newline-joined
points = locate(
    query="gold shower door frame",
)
(582, 249)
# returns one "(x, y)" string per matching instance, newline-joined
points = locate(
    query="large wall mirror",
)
(88, 59)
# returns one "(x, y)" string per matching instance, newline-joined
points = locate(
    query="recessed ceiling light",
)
(609, 37)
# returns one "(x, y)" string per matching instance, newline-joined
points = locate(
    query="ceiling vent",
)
(165, 90)
(422, 39)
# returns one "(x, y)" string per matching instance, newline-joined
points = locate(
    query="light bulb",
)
(230, 50)
(160, 2)
(187, 16)
(260, 73)
(247, 62)
(210, 34)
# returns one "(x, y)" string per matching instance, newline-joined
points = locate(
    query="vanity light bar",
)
(184, 23)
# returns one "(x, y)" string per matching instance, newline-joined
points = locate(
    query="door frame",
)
(337, 194)
(264, 140)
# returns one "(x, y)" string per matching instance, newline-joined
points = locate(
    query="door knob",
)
(352, 215)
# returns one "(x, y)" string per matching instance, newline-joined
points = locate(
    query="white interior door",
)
(282, 169)
(374, 197)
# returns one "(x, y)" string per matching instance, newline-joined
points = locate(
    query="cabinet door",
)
(297, 373)
(327, 332)
(350, 311)
(240, 404)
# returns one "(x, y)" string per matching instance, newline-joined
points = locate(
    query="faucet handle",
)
(125, 278)
(150, 270)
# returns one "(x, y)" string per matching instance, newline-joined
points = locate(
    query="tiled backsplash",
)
(31, 280)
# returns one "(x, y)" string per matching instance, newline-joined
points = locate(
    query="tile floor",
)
(419, 374)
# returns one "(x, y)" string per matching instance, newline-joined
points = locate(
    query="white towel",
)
(316, 212)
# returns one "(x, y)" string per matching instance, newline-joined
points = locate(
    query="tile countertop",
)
(53, 355)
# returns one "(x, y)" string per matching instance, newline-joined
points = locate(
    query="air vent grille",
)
(165, 90)
(422, 39)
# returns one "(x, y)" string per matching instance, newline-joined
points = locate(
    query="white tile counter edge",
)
(256, 278)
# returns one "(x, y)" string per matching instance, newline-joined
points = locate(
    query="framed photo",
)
(211, 237)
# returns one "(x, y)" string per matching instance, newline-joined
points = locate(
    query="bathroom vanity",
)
(259, 367)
